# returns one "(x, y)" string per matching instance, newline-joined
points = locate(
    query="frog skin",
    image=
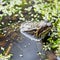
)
(38, 29)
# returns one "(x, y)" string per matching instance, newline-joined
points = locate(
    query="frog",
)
(37, 29)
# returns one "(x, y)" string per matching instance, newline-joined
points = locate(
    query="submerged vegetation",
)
(12, 11)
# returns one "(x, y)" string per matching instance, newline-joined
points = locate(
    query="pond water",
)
(26, 49)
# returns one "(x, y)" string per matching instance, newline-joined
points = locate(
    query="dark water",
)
(26, 50)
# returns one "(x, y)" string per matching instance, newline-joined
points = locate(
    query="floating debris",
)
(21, 55)
(2, 48)
(29, 44)
(39, 53)
(25, 46)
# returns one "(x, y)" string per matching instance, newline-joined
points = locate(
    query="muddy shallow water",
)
(26, 49)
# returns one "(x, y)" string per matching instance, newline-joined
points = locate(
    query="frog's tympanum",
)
(37, 29)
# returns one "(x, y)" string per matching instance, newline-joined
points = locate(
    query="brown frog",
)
(37, 29)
